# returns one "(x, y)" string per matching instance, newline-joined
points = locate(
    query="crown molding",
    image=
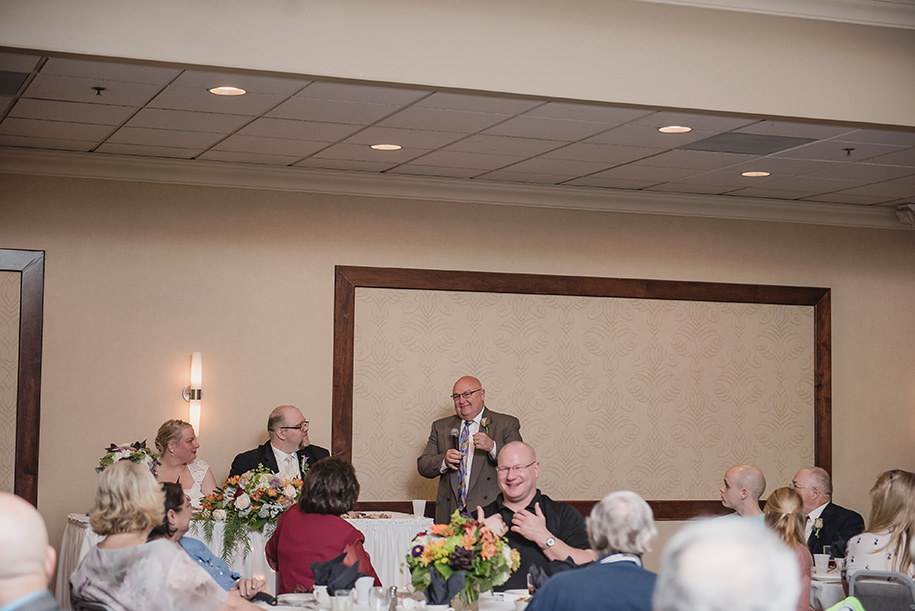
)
(306, 180)
(880, 13)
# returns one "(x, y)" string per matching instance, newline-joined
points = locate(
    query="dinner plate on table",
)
(296, 599)
(280, 607)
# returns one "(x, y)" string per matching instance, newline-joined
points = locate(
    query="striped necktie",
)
(462, 468)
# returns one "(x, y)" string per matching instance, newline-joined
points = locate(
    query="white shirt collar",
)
(816, 513)
(620, 557)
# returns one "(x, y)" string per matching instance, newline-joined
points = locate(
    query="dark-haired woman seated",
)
(177, 522)
(313, 531)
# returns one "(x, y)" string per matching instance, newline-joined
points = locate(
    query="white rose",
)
(242, 502)
(219, 514)
(289, 491)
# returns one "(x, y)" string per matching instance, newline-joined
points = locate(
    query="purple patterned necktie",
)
(462, 468)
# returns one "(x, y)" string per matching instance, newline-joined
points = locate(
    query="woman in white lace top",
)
(885, 545)
(177, 445)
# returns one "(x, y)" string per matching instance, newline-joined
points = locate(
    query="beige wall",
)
(139, 275)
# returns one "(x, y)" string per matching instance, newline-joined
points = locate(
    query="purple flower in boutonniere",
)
(304, 464)
(817, 527)
(485, 424)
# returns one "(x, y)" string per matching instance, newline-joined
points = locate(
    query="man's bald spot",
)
(752, 479)
(468, 380)
(23, 538)
(523, 451)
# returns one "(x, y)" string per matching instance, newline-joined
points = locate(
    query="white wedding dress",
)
(198, 469)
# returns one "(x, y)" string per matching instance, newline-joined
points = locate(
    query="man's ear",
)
(49, 560)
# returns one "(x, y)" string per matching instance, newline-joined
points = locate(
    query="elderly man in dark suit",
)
(462, 450)
(288, 452)
(827, 523)
(26, 559)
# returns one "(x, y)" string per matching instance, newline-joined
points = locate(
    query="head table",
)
(388, 536)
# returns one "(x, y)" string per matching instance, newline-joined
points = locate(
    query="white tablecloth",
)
(386, 540)
(824, 594)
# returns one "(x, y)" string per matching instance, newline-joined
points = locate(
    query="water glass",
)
(378, 599)
(342, 600)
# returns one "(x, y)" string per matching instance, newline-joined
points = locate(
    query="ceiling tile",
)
(75, 112)
(726, 177)
(344, 164)
(794, 130)
(117, 148)
(424, 170)
(749, 144)
(780, 167)
(875, 136)
(477, 103)
(836, 198)
(811, 185)
(331, 111)
(642, 173)
(704, 122)
(269, 146)
(45, 143)
(833, 150)
(887, 190)
(560, 167)
(640, 135)
(698, 160)
(904, 157)
(298, 130)
(109, 71)
(770, 193)
(417, 117)
(54, 129)
(187, 120)
(412, 138)
(610, 183)
(72, 89)
(253, 84)
(503, 145)
(363, 152)
(864, 171)
(249, 157)
(607, 115)
(18, 62)
(604, 153)
(396, 96)
(186, 98)
(677, 187)
(531, 178)
(163, 137)
(478, 161)
(549, 129)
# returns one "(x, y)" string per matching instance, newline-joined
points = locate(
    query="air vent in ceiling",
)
(10, 82)
(750, 144)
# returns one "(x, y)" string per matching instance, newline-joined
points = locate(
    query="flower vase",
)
(467, 601)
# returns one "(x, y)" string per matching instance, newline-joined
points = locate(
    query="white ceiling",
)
(165, 112)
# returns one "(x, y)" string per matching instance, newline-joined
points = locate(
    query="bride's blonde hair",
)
(170, 432)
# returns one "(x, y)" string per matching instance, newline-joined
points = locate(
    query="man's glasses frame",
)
(302, 427)
(465, 395)
(516, 469)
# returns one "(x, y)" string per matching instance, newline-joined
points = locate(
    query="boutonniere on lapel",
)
(304, 465)
(817, 527)
(486, 424)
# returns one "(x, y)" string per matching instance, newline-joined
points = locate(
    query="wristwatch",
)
(550, 542)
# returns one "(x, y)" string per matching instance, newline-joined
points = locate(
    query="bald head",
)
(26, 559)
(741, 489)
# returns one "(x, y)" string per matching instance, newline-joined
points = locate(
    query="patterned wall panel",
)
(656, 396)
(9, 366)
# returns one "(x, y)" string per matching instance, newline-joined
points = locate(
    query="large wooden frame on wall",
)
(30, 264)
(349, 278)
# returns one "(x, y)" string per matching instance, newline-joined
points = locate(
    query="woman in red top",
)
(313, 531)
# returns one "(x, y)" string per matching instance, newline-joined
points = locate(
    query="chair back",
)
(91, 605)
(883, 590)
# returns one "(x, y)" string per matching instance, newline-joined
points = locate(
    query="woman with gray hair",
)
(620, 528)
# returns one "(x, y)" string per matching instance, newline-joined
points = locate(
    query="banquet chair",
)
(883, 591)
(89, 605)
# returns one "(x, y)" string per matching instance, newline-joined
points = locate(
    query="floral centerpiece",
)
(467, 545)
(253, 500)
(136, 452)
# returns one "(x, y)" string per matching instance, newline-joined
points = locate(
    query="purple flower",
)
(462, 559)
(417, 551)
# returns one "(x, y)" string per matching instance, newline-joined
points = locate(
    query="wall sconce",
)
(193, 391)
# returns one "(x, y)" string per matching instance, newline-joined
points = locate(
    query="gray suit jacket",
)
(484, 483)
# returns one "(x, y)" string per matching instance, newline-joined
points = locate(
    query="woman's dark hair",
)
(174, 498)
(330, 487)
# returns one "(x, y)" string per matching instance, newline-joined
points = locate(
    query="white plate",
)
(828, 577)
(296, 599)
(513, 595)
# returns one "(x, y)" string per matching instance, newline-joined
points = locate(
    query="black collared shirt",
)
(562, 520)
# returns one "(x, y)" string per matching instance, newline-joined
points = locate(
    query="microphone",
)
(454, 435)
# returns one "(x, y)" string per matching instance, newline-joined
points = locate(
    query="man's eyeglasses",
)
(797, 487)
(514, 469)
(465, 395)
(303, 426)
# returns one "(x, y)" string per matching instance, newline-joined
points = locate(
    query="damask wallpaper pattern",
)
(656, 396)
(9, 371)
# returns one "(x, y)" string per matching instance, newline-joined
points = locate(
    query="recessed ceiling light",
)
(675, 129)
(227, 91)
(755, 174)
(386, 147)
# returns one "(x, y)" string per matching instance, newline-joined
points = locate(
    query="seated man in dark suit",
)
(827, 523)
(541, 529)
(288, 451)
(620, 528)
(26, 559)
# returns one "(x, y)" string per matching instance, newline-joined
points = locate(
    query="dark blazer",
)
(45, 602)
(484, 483)
(839, 525)
(263, 455)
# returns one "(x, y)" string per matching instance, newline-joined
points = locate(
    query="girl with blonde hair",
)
(884, 546)
(784, 513)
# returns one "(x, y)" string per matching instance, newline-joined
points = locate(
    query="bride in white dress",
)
(177, 445)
